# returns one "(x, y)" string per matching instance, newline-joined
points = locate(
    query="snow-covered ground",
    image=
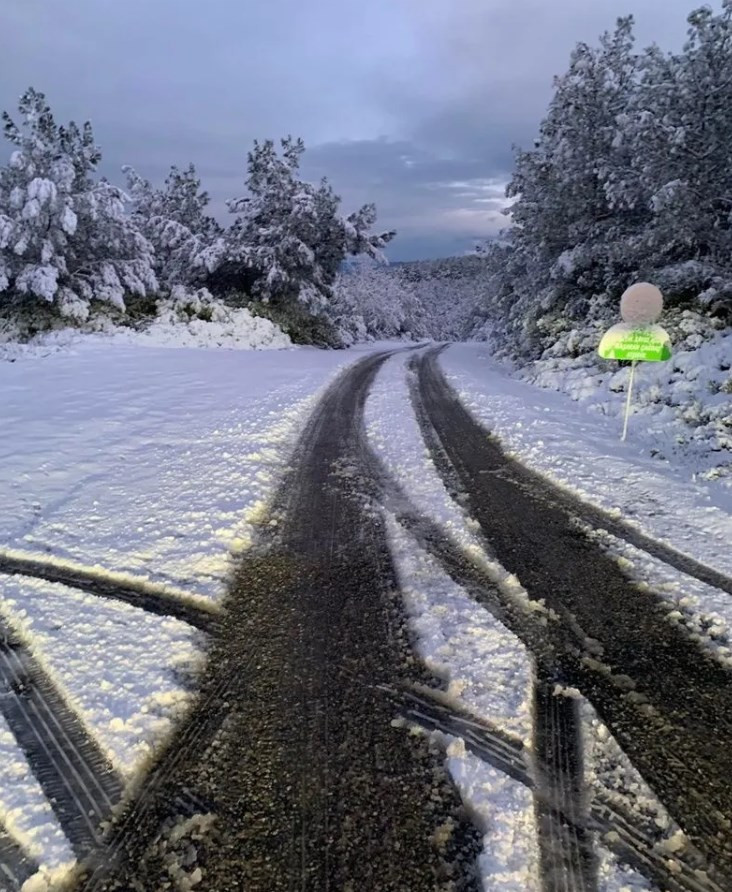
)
(155, 464)
(148, 461)
(682, 407)
(147, 464)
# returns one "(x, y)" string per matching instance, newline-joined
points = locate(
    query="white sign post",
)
(628, 401)
(637, 338)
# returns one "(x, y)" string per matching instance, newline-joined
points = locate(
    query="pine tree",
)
(682, 139)
(565, 221)
(288, 240)
(64, 236)
(186, 240)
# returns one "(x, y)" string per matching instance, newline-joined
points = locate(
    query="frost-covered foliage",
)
(630, 178)
(184, 237)
(439, 299)
(69, 238)
(453, 292)
(64, 237)
(288, 239)
(377, 303)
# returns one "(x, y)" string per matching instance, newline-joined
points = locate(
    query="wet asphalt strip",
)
(665, 700)
(293, 746)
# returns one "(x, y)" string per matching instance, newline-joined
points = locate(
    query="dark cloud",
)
(414, 104)
(438, 205)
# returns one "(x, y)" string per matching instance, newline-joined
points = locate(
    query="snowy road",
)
(312, 784)
(415, 622)
(668, 703)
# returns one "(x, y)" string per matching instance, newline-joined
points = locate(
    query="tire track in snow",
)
(672, 712)
(138, 594)
(429, 710)
(553, 494)
(637, 842)
(16, 866)
(566, 846)
(160, 792)
(630, 840)
(523, 477)
(568, 862)
(81, 786)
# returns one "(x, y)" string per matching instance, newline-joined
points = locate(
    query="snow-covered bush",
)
(64, 237)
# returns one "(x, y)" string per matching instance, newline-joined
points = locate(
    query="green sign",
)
(646, 343)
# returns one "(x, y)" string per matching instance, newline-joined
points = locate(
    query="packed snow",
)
(151, 462)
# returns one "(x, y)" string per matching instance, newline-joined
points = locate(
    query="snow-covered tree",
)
(629, 178)
(185, 239)
(679, 136)
(64, 237)
(288, 239)
(565, 225)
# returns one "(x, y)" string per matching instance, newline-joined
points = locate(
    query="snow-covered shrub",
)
(196, 318)
(685, 401)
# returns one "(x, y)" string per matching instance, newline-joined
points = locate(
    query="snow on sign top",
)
(641, 304)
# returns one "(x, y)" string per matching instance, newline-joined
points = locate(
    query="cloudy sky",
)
(413, 104)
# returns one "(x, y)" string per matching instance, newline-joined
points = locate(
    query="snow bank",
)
(189, 320)
(682, 408)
